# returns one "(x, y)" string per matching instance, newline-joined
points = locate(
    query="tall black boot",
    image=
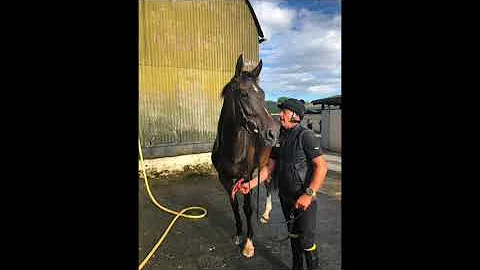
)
(297, 254)
(312, 259)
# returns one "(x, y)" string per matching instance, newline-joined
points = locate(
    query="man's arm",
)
(312, 148)
(318, 179)
(320, 168)
(265, 173)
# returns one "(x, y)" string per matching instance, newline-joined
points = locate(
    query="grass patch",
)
(199, 170)
(203, 170)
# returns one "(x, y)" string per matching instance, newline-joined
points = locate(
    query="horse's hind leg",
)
(228, 185)
(248, 250)
(268, 204)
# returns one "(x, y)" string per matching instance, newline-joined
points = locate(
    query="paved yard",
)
(207, 243)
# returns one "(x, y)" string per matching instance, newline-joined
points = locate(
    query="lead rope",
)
(289, 227)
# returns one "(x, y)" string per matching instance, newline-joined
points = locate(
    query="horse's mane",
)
(229, 84)
(226, 88)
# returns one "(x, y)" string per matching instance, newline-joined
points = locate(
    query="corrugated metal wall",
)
(187, 53)
(332, 130)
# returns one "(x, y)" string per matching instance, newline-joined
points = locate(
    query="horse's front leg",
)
(249, 249)
(238, 220)
(228, 185)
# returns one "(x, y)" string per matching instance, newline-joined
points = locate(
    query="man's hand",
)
(303, 202)
(246, 187)
(264, 174)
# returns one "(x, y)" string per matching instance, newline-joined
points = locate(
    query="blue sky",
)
(302, 54)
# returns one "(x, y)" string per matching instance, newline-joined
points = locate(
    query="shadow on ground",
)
(208, 243)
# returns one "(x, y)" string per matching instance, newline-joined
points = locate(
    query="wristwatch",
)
(310, 192)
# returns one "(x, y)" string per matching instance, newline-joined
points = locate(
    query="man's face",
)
(285, 116)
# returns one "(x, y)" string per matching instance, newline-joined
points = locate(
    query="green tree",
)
(281, 99)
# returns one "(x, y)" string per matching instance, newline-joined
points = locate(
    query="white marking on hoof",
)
(264, 220)
(236, 240)
(248, 250)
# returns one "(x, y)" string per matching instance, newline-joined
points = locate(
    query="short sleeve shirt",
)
(310, 143)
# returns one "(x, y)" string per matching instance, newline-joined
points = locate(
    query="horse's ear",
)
(239, 67)
(256, 70)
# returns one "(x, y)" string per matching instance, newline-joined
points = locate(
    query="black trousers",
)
(306, 223)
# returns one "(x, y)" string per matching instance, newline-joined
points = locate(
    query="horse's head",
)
(246, 101)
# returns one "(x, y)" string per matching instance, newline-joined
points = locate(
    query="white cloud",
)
(324, 89)
(272, 18)
(302, 54)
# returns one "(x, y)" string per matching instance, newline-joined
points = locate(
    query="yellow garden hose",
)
(178, 214)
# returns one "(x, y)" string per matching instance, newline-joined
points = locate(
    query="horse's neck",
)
(234, 143)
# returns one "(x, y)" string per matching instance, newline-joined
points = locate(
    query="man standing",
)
(299, 171)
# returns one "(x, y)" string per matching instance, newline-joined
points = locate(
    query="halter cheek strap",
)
(244, 122)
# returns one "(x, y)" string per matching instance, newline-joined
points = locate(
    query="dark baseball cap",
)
(294, 105)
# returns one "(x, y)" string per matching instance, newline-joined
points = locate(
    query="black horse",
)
(245, 136)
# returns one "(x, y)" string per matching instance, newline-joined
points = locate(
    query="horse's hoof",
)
(236, 240)
(264, 220)
(249, 249)
(248, 253)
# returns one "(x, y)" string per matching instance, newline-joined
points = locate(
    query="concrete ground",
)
(334, 161)
(207, 243)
